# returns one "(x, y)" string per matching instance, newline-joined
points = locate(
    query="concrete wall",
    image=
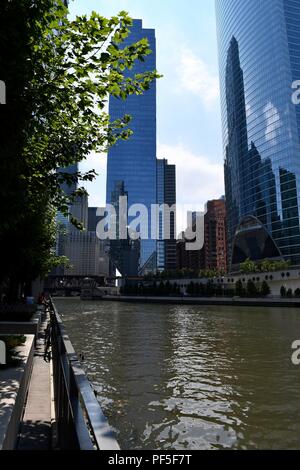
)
(14, 382)
(289, 278)
(21, 328)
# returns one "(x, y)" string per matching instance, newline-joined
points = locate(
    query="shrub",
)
(12, 342)
(289, 294)
(239, 289)
(265, 289)
(210, 289)
(219, 291)
(251, 289)
(283, 292)
(248, 267)
(190, 288)
(297, 293)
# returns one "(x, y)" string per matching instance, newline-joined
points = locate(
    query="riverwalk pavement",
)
(35, 429)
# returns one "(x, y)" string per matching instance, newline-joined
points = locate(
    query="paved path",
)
(35, 431)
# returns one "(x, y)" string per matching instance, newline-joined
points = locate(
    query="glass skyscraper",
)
(259, 57)
(132, 163)
(166, 195)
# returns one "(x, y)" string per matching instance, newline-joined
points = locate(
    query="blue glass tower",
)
(259, 57)
(166, 195)
(133, 162)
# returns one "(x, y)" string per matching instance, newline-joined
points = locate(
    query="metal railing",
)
(80, 422)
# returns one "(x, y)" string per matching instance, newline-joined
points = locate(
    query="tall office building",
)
(132, 163)
(215, 248)
(166, 195)
(93, 219)
(259, 56)
(70, 170)
(192, 260)
(87, 254)
(213, 254)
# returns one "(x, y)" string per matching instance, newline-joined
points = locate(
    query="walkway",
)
(35, 431)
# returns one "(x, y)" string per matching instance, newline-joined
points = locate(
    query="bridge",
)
(69, 285)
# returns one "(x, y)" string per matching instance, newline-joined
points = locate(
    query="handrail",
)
(81, 423)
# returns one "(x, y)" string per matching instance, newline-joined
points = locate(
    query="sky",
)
(188, 102)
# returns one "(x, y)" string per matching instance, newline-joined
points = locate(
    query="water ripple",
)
(171, 377)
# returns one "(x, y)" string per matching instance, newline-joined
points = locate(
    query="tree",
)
(271, 266)
(248, 267)
(251, 289)
(265, 289)
(266, 266)
(297, 293)
(161, 289)
(289, 293)
(283, 291)
(219, 291)
(58, 75)
(190, 288)
(239, 289)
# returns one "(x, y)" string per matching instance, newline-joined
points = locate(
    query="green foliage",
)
(251, 290)
(272, 266)
(248, 267)
(297, 293)
(208, 289)
(283, 292)
(196, 289)
(289, 294)
(174, 274)
(265, 289)
(239, 289)
(12, 342)
(145, 289)
(209, 274)
(190, 288)
(184, 274)
(58, 73)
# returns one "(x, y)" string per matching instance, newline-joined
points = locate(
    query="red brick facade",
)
(214, 253)
(215, 244)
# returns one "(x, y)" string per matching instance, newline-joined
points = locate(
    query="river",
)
(185, 377)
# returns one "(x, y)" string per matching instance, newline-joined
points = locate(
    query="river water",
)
(185, 377)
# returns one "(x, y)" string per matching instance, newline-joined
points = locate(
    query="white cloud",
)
(195, 76)
(273, 123)
(198, 179)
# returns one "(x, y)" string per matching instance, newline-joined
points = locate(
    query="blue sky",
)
(188, 113)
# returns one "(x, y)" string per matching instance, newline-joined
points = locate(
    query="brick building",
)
(213, 255)
(215, 242)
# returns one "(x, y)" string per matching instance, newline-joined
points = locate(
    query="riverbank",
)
(221, 301)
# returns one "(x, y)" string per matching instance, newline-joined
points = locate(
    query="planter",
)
(16, 312)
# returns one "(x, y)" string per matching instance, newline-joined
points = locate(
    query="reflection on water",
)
(176, 377)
